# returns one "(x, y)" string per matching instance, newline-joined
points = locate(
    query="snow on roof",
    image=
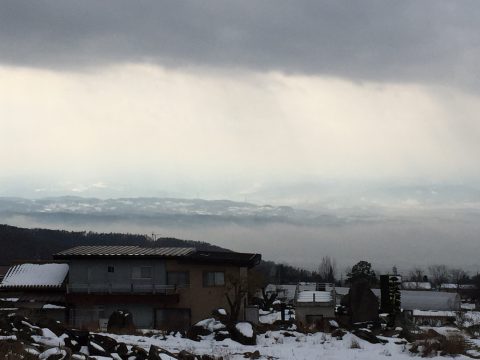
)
(35, 275)
(414, 285)
(314, 296)
(342, 290)
(455, 286)
(433, 313)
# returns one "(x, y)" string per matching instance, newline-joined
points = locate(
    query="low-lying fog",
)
(401, 237)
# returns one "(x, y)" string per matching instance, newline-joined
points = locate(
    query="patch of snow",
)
(210, 324)
(30, 325)
(245, 329)
(53, 351)
(48, 338)
(52, 306)
(222, 311)
(96, 346)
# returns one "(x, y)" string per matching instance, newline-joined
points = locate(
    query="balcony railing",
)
(131, 288)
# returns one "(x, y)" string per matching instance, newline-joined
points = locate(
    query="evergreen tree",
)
(362, 270)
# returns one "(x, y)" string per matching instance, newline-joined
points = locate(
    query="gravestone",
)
(361, 303)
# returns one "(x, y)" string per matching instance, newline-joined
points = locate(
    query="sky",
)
(356, 109)
(217, 99)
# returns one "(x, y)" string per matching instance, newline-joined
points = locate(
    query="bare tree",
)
(327, 269)
(456, 276)
(417, 274)
(438, 274)
(237, 290)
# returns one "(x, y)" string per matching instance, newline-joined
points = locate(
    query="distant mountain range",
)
(140, 206)
(146, 211)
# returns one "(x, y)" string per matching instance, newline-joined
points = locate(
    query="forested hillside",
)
(21, 244)
(39, 244)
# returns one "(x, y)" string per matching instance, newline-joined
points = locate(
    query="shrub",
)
(454, 345)
(14, 350)
(433, 344)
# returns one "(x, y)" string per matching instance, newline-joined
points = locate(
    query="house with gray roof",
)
(164, 288)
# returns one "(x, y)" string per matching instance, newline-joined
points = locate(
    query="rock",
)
(207, 357)
(220, 315)
(80, 336)
(155, 351)
(139, 353)
(121, 321)
(222, 335)
(55, 326)
(107, 343)
(199, 329)
(252, 355)
(96, 349)
(338, 334)
(122, 350)
(368, 336)
(185, 355)
(54, 354)
(244, 333)
(72, 344)
(79, 356)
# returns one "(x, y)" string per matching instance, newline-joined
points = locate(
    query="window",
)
(110, 268)
(178, 278)
(142, 272)
(214, 278)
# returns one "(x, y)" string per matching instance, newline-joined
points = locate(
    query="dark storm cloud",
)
(362, 40)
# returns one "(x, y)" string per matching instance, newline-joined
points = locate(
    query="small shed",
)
(313, 306)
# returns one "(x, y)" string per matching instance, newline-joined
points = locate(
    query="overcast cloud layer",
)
(413, 41)
(353, 109)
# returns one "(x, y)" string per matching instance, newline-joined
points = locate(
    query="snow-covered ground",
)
(280, 345)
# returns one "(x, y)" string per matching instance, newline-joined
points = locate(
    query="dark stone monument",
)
(361, 303)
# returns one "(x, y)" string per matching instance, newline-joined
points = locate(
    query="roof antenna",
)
(155, 236)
